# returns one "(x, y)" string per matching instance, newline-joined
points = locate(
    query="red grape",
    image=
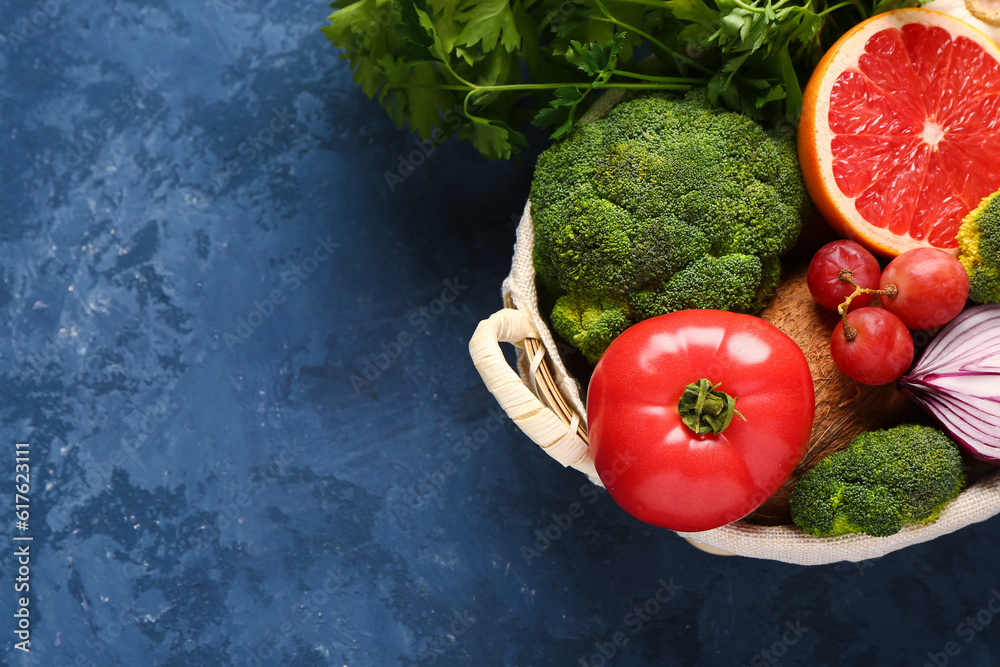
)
(933, 288)
(824, 280)
(880, 353)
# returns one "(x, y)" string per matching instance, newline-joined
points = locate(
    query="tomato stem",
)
(847, 276)
(705, 410)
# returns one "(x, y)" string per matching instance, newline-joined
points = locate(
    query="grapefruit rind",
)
(815, 134)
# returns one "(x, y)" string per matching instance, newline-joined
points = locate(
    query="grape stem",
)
(846, 275)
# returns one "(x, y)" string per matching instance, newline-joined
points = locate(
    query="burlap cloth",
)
(782, 543)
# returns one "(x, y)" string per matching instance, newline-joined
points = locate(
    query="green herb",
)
(499, 64)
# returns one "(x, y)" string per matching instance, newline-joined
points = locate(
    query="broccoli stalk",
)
(665, 204)
(979, 250)
(881, 482)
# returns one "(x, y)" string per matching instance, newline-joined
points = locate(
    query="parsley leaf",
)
(416, 40)
(597, 61)
(494, 139)
(488, 22)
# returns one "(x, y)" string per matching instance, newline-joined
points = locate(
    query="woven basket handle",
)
(561, 435)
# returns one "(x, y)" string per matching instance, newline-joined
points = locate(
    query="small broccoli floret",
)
(881, 482)
(665, 204)
(979, 250)
(590, 323)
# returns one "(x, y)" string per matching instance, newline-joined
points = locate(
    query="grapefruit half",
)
(900, 130)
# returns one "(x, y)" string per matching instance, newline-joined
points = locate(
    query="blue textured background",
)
(210, 488)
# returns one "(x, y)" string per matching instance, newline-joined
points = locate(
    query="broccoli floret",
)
(665, 204)
(979, 250)
(740, 283)
(590, 323)
(881, 482)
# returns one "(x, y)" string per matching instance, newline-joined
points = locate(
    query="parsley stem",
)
(651, 77)
(754, 8)
(757, 9)
(650, 86)
(680, 84)
(750, 8)
(645, 3)
(454, 73)
(677, 56)
(838, 6)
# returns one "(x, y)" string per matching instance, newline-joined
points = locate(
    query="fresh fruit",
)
(932, 288)
(827, 282)
(698, 416)
(900, 130)
(873, 348)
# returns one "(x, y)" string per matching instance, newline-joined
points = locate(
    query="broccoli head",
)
(881, 482)
(665, 204)
(979, 250)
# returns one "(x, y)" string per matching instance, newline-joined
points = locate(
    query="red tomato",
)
(655, 466)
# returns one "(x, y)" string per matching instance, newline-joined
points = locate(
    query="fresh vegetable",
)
(590, 323)
(664, 204)
(957, 380)
(442, 66)
(984, 15)
(844, 407)
(826, 274)
(979, 250)
(931, 288)
(883, 481)
(895, 157)
(696, 417)
(879, 350)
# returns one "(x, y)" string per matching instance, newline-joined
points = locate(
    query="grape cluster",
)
(920, 289)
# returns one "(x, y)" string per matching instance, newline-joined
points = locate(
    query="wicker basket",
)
(545, 402)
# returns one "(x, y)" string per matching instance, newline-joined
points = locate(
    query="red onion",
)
(957, 380)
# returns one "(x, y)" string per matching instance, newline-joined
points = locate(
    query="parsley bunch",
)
(497, 64)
